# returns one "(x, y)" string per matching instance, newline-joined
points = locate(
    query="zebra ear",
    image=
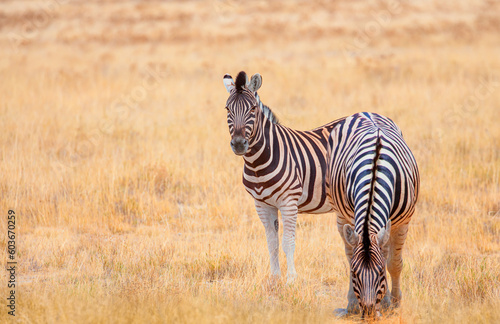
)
(384, 234)
(255, 82)
(228, 82)
(350, 236)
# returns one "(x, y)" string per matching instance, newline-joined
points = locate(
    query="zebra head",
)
(241, 109)
(368, 267)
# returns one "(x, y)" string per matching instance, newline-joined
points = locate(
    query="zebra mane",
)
(366, 238)
(241, 81)
(267, 111)
(366, 225)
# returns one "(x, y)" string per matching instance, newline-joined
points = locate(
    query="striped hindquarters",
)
(293, 169)
(371, 173)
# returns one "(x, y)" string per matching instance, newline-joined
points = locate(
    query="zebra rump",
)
(372, 176)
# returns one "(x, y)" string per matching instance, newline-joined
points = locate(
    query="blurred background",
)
(116, 158)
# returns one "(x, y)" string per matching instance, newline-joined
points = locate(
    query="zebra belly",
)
(307, 209)
(280, 197)
(315, 208)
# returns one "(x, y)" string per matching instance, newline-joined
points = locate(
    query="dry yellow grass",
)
(129, 199)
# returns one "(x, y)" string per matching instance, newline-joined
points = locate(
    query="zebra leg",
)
(269, 218)
(352, 300)
(289, 215)
(395, 261)
(386, 301)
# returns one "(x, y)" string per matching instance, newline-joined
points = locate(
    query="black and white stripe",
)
(373, 184)
(284, 168)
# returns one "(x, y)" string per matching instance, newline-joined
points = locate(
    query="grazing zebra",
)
(284, 168)
(373, 181)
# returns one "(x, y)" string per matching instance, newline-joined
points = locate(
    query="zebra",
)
(284, 168)
(373, 182)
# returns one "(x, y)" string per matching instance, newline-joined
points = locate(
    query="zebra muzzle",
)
(239, 145)
(369, 311)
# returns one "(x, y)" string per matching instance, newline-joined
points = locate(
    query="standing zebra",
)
(373, 183)
(284, 168)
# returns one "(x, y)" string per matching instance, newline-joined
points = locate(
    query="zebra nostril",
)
(239, 141)
(239, 144)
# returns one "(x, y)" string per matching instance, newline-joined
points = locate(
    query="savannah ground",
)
(130, 208)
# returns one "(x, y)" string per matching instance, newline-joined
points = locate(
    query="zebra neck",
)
(268, 113)
(260, 146)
